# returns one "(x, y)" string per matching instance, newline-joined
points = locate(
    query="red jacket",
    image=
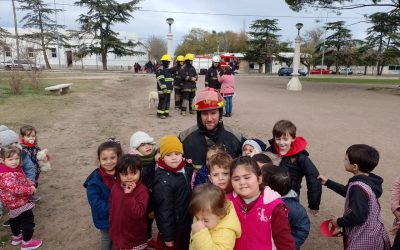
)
(128, 225)
(14, 186)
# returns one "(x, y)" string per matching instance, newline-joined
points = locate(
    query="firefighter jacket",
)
(212, 78)
(189, 77)
(164, 80)
(177, 76)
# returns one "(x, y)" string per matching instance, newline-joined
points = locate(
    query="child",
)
(28, 142)
(295, 159)
(98, 187)
(201, 176)
(15, 190)
(263, 215)
(218, 167)
(143, 145)
(278, 179)
(252, 147)
(128, 204)
(227, 81)
(216, 225)
(395, 206)
(361, 221)
(262, 159)
(171, 194)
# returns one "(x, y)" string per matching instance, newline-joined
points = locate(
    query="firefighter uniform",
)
(177, 81)
(212, 78)
(189, 77)
(164, 87)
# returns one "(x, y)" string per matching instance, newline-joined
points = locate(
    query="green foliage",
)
(97, 23)
(298, 5)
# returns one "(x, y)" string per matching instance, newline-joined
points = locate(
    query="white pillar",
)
(169, 43)
(294, 83)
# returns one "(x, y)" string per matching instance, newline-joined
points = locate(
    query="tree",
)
(157, 46)
(3, 35)
(98, 22)
(263, 42)
(38, 17)
(298, 5)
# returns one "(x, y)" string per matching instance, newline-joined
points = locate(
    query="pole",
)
(169, 41)
(58, 37)
(323, 49)
(16, 28)
(294, 83)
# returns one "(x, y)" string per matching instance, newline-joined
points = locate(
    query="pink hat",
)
(327, 229)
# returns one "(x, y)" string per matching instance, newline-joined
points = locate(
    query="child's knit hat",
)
(170, 144)
(257, 144)
(7, 136)
(139, 138)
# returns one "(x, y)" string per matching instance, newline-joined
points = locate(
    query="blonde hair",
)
(222, 160)
(208, 197)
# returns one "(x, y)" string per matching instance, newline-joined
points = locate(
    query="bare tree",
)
(157, 46)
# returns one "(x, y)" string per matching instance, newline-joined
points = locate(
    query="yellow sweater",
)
(222, 237)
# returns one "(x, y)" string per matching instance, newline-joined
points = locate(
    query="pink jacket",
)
(14, 186)
(395, 197)
(227, 84)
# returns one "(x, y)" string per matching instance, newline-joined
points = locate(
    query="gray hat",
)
(7, 136)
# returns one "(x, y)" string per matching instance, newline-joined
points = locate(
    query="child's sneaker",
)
(16, 240)
(30, 245)
(34, 198)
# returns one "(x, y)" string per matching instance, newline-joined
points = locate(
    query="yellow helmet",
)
(166, 57)
(180, 59)
(189, 57)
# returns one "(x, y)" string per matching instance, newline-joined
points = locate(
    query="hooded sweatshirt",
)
(221, 237)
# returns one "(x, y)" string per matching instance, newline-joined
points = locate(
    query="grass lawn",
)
(351, 80)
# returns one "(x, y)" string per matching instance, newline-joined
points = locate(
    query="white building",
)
(64, 58)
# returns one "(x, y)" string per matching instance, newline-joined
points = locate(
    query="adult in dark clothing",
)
(189, 77)
(164, 87)
(209, 129)
(211, 78)
(177, 81)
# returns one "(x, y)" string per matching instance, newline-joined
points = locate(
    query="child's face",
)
(129, 177)
(31, 138)
(13, 161)
(284, 142)
(173, 159)
(145, 148)
(248, 150)
(219, 177)
(245, 183)
(210, 153)
(108, 160)
(210, 220)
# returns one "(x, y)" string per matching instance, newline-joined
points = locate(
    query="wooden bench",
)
(59, 89)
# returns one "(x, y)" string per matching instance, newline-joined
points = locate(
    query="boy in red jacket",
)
(128, 204)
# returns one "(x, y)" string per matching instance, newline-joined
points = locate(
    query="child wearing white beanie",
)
(252, 147)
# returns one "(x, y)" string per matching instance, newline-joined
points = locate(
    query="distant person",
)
(178, 81)
(361, 220)
(227, 81)
(189, 77)
(164, 87)
(211, 77)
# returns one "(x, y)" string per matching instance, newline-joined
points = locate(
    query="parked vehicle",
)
(22, 64)
(203, 62)
(346, 71)
(318, 71)
(288, 72)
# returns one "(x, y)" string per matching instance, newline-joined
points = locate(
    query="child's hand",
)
(394, 229)
(189, 161)
(151, 215)
(322, 179)
(334, 222)
(397, 214)
(198, 226)
(169, 243)
(314, 212)
(128, 188)
(33, 189)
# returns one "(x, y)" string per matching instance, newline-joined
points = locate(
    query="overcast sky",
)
(236, 15)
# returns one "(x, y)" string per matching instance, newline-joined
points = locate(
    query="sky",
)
(222, 15)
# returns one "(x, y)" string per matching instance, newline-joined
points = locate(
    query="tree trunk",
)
(104, 59)
(42, 42)
(365, 70)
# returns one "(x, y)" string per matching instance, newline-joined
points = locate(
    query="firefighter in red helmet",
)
(209, 129)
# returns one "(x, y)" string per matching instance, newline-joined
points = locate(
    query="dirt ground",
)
(330, 116)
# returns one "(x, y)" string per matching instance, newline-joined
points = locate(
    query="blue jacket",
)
(28, 167)
(298, 218)
(201, 176)
(97, 194)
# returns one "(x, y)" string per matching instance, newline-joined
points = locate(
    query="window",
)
(394, 67)
(53, 52)
(29, 50)
(7, 51)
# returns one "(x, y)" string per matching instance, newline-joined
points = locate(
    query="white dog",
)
(153, 99)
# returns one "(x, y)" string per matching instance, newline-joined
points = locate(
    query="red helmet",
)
(208, 99)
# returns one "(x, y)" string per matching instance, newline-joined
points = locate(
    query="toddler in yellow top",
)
(216, 225)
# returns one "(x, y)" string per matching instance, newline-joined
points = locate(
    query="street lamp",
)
(170, 21)
(294, 83)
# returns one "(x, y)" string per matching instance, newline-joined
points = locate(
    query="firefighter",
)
(164, 86)
(212, 74)
(177, 81)
(189, 77)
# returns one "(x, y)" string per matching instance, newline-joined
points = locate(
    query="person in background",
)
(211, 77)
(164, 87)
(189, 77)
(178, 81)
(227, 80)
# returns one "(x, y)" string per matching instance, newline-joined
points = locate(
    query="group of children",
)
(19, 179)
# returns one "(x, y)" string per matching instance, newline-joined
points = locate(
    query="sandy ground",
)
(330, 116)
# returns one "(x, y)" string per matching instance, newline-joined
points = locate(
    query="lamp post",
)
(170, 21)
(294, 83)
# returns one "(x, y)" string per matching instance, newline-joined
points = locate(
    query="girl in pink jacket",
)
(227, 81)
(395, 206)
